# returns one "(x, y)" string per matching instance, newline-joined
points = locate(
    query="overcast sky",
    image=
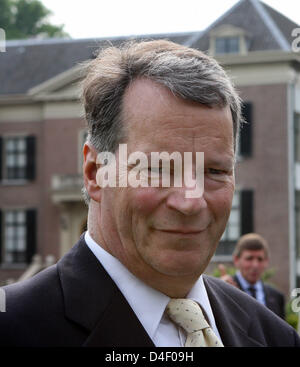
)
(104, 18)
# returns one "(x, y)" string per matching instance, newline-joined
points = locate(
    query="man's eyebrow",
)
(223, 161)
(227, 161)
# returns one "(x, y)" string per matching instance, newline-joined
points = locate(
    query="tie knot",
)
(187, 314)
(252, 291)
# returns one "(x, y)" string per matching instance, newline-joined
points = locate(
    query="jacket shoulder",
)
(27, 299)
(34, 308)
(257, 321)
(272, 290)
(28, 293)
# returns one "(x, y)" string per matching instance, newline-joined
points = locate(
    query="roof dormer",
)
(228, 39)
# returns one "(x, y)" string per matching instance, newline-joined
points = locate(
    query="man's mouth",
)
(182, 231)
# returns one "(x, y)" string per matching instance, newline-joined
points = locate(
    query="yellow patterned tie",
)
(188, 315)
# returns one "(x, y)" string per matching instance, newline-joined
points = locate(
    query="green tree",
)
(27, 19)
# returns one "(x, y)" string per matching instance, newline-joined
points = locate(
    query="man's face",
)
(157, 230)
(252, 264)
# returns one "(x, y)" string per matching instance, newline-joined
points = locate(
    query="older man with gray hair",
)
(135, 278)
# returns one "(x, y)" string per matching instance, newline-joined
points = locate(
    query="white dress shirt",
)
(258, 286)
(149, 304)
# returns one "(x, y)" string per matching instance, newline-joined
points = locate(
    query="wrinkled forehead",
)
(155, 118)
(257, 253)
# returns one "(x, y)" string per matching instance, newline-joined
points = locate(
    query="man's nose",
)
(255, 263)
(177, 200)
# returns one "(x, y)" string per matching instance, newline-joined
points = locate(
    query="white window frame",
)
(236, 208)
(228, 31)
(5, 179)
(6, 237)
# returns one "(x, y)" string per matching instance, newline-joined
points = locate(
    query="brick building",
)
(42, 130)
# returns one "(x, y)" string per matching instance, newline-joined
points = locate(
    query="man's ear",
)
(267, 262)
(235, 260)
(90, 171)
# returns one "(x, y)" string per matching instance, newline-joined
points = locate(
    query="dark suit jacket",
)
(274, 298)
(76, 303)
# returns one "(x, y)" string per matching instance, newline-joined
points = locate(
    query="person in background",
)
(251, 258)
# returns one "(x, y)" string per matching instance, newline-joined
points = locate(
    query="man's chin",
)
(181, 264)
(252, 280)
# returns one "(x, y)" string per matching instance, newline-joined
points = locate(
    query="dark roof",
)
(285, 24)
(267, 29)
(27, 63)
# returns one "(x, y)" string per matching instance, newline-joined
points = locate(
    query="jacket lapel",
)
(93, 301)
(232, 320)
(119, 327)
(269, 298)
(236, 279)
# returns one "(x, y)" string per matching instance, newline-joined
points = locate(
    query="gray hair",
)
(186, 72)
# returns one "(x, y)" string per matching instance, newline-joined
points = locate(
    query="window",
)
(228, 39)
(82, 136)
(240, 222)
(297, 218)
(244, 148)
(297, 136)
(14, 237)
(18, 239)
(227, 45)
(233, 228)
(17, 158)
(232, 232)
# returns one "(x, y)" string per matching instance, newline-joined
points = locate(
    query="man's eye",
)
(217, 174)
(215, 171)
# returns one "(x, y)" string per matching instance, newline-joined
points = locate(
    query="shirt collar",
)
(198, 293)
(245, 284)
(147, 303)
